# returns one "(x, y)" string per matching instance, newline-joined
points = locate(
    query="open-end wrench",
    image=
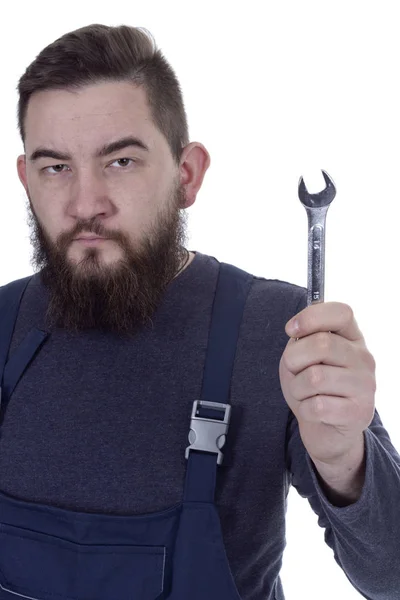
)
(316, 206)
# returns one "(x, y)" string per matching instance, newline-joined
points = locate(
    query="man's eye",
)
(54, 167)
(119, 160)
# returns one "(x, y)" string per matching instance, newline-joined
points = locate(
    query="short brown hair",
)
(97, 53)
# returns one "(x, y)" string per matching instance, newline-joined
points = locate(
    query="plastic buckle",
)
(208, 435)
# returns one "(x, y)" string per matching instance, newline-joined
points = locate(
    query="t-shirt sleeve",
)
(365, 535)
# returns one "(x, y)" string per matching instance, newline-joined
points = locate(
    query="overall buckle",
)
(208, 435)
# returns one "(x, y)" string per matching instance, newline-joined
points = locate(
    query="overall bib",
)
(48, 553)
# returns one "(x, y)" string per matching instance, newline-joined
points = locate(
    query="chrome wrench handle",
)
(316, 254)
(316, 206)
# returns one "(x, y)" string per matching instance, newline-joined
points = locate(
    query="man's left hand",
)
(328, 380)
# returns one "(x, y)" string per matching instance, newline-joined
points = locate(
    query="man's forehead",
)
(103, 106)
(86, 127)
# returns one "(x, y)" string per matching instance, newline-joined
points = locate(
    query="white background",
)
(274, 90)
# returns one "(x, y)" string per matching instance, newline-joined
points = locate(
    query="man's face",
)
(132, 196)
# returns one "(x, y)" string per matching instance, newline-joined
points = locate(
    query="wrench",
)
(316, 206)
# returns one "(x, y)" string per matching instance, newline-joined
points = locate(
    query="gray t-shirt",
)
(99, 424)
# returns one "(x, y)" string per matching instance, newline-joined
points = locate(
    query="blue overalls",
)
(48, 553)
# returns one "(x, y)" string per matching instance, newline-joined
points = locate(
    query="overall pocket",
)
(44, 567)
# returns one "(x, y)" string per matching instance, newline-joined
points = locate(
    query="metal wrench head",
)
(323, 198)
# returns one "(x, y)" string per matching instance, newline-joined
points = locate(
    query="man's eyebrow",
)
(110, 148)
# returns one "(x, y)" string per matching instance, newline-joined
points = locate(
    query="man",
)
(116, 336)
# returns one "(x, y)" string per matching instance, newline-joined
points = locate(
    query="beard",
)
(120, 297)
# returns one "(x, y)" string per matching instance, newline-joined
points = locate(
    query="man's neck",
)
(191, 258)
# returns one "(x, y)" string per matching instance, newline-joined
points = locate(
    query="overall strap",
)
(211, 415)
(12, 369)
